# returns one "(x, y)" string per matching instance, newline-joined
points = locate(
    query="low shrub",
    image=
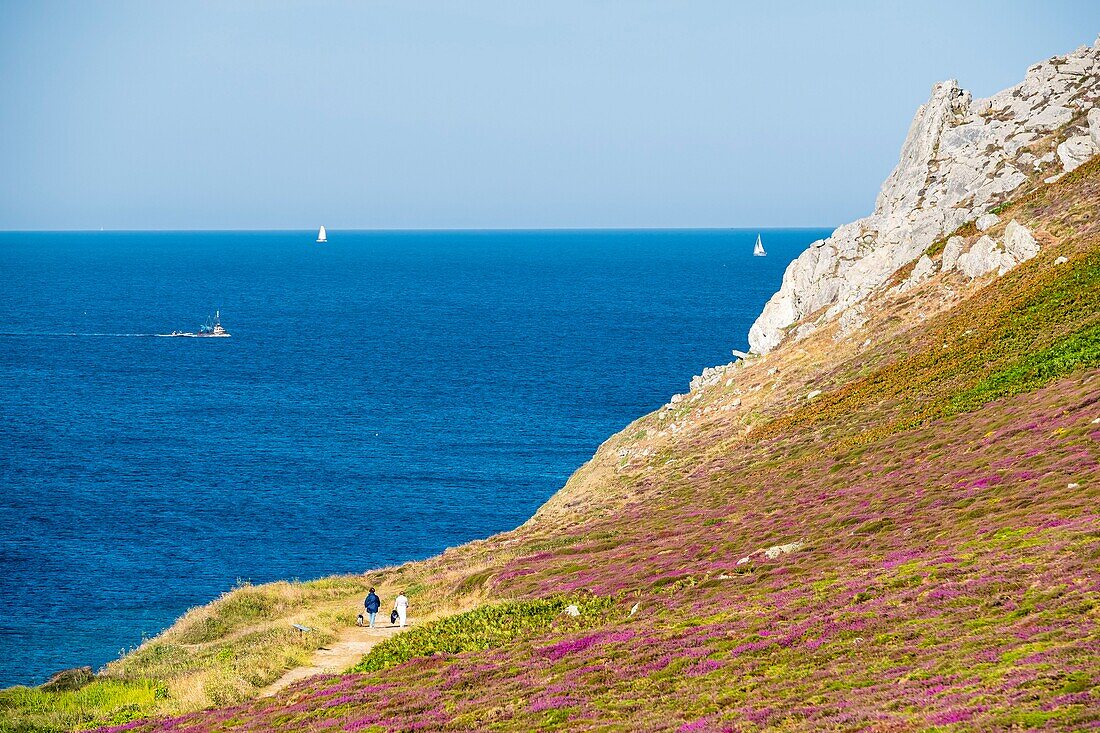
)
(486, 627)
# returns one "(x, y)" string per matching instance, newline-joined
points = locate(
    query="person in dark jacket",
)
(372, 604)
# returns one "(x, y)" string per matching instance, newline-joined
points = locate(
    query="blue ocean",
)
(382, 397)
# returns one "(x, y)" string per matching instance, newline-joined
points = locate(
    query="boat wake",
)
(211, 329)
(59, 334)
(40, 334)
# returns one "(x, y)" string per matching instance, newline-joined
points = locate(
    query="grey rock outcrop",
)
(987, 255)
(709, 377)
(960, 158)
(776, 550)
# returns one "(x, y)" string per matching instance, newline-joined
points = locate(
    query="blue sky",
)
(269, 115)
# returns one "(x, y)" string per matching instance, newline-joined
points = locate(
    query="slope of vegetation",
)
(914, 548)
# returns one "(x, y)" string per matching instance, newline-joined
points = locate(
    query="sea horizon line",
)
(419, 230)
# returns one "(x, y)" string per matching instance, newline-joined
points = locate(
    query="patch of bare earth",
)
(337, 657)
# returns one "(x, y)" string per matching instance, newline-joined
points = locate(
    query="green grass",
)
(252, 660)
(103, 702)
(1079, 350)
(1069, 299)
(243, 608)
(1006, 340)
(487, 627)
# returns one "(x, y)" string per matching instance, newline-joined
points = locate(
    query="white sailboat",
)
(321, 236)
(758, 250)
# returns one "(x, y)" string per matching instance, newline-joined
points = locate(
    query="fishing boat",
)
(758, 250)
(210, 329)
(321, 236)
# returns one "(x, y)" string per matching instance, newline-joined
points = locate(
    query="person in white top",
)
(401, 605)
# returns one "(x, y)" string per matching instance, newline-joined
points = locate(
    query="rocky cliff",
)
(961, 158)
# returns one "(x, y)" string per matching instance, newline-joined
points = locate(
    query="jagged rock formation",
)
(961, 158)
(984, 256)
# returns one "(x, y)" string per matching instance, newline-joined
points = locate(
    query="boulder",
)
(710, 377)
(924, 269)
(985, 221)
(69, 679)
(572, 611)
(776, 550)
(951, 251)
(1075, 151)
(985, 257)
(1019, 242)
(1094, 125)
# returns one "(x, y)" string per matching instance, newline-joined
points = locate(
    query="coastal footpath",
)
(883, 519)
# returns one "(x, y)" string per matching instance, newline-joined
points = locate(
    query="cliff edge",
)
(961, 158)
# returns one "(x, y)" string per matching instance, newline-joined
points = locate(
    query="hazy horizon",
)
(330, 229)
(147, 116)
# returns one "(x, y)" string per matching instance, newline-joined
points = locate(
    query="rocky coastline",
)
(961, 159)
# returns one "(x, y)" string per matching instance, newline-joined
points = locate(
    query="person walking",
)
(372, 604)
(401, 605)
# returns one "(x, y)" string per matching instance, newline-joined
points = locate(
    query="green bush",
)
(486, 627)
(1031, 371)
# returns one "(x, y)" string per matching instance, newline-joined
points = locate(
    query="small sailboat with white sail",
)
(322, 237)
(758, 250)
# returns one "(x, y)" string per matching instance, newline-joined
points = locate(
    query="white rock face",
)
(986, 220)
(960, 159)
(1019, 242)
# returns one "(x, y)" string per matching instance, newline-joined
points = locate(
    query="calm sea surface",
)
(382, 397)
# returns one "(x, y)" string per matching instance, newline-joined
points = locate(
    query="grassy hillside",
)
(915, 546)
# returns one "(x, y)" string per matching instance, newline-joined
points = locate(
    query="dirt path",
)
(337, 656)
